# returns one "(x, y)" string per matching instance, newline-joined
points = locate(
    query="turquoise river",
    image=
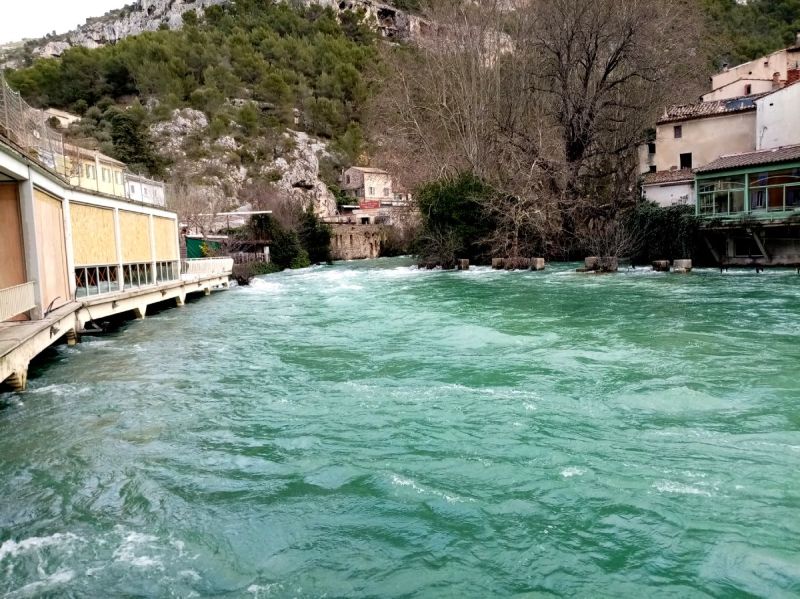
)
(371, 430)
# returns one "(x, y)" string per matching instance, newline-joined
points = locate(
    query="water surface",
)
(369, 430)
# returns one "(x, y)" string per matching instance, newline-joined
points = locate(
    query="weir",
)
(70, 255)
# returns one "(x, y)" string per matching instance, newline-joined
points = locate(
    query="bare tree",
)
(546, 100)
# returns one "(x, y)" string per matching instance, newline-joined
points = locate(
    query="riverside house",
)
(377, 199)
(744, 112)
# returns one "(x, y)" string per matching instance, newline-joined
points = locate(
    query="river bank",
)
(369, 429)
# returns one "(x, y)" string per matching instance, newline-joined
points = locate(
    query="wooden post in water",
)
(661, 265)
(682, 266)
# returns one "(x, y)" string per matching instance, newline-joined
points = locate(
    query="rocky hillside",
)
(243, 101)
(151, 15)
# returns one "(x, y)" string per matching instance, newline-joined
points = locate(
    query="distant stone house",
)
(376, 200)
(757, 76)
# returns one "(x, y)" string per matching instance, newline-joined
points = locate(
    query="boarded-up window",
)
(166, 238)
(135, 230)
(93, 238)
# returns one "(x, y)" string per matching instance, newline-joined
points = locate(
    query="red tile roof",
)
(708, 109)
(666, 177)
(776, 155)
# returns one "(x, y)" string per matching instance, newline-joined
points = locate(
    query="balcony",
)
(16, 300)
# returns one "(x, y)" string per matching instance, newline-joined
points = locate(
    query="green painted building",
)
(750, 205)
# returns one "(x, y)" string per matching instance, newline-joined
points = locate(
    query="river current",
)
(371, 430)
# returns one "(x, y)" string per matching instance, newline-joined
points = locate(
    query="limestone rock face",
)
(221, 174)
(149, 15)
(300, 174)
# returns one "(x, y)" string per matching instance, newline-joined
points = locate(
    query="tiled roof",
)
(706, 109)
(664, 177)
(783, 154)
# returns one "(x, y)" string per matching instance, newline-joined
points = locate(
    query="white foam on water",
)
(263, 286)
(255, 589)
(399, 481)
(127, 551)
(12, 548)
(669, 486)
(572, 471)
(57, 578)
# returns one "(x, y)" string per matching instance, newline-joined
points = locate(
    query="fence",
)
(16, 300)
(27, 127)
(207, 266)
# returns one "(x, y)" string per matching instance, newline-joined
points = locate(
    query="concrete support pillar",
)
(180, 300)
(72, 337)
(69, 247)
(118, 245)
(27, 212)
(207, 291)
(140, 311)
(19, 380)
(153, 249)
(682, 266)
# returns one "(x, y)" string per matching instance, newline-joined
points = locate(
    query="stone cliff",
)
(150, 15)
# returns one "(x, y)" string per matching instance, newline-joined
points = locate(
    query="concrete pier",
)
(21, 341)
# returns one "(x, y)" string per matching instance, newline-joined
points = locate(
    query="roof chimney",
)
(776, 81)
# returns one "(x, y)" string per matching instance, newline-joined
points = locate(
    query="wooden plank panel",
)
(12, 251)
(49, 217)
(93, 240)
(135, 231)
(166, 239)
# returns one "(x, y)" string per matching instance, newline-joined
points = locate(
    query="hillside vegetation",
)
(252, 67)
(741, 32)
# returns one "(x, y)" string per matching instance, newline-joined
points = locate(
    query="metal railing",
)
(207, 266)
(16, 300)
(27, 127)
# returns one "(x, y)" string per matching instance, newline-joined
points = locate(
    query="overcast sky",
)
(35, 18)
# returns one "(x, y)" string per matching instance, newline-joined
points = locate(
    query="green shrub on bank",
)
(663, 233)
(454, 223)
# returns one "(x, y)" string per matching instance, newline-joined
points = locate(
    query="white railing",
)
(207, 266)
(16, 300)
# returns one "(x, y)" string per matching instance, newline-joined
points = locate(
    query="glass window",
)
(678, 131)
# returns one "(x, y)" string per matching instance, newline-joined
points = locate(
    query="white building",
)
(141, 189)
(778, 118)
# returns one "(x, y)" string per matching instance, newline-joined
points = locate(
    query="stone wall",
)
(356, 242)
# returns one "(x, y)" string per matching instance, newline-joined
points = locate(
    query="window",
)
(105, 174)
(748, 89)
(91, 172)
(651, 147)
(386, 192)
(146, 191)
(133, 189)
(652, 168)
(371, 192)
(118, 178)
(347, 179)
(678, 129)
(724, 195)
(686, 161)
